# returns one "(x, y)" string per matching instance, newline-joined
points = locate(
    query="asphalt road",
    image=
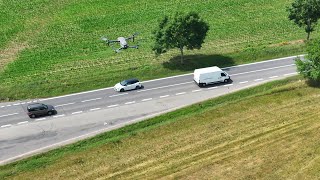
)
(85, 114)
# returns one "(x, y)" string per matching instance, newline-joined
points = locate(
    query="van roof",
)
(208, 69)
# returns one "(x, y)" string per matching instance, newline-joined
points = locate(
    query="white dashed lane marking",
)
(78, 112)
(17, 104)
(115, 105)
(118, 95)
(91, 100)
(258, 79)
(130, 102)
(4, 126)
(165, 86)
(23, 122)
(243, 82)
(180, 93)
(64, 104)
(9, 115)
(273, 77)
(146, 99)
(95, 109)
(228, 85)
(59, 116)
(164, 96)
(197, 90)
(41, 119)
(213, 88)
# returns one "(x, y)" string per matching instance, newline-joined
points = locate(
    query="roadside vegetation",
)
(266, 132)
(49, 49)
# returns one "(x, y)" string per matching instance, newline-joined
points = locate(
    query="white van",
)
(210, 75)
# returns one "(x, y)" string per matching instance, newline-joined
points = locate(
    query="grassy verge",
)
(50, 49)
(269, 131)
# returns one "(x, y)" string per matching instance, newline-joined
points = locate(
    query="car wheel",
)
(226, 80)
(137, 87)
(202, 84)
(122, 90)
(50, 113)
(32, 116)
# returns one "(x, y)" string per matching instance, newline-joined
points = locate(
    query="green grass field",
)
(266, 132)
(53, 47)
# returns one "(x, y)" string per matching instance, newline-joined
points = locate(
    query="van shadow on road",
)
(217, 84)
(192, 62)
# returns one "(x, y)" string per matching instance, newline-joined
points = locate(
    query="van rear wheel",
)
(121, 90)
(226, 80)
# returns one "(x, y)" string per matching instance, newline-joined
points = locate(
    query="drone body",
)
(122, 41)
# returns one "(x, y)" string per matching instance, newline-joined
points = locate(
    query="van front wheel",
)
(202, 84)
(226, 80)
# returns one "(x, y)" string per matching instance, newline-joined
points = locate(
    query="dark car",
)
(39, 109)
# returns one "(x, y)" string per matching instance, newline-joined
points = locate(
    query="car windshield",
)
(123, 83)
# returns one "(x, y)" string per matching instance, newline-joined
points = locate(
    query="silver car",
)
(126, 85)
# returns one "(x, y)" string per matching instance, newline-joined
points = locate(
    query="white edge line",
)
(68, 95)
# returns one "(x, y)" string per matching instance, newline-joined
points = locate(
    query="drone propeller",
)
(106, 40)
(133, 35)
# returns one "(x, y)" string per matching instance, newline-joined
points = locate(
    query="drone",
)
(122, 41)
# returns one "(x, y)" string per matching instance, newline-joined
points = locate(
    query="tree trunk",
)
(309, 29)
(181, 57)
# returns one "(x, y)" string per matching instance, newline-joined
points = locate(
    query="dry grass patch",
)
(10, 53)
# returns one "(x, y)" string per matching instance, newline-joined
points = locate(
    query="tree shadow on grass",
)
(192, 62)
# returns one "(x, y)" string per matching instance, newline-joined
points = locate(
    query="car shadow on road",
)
(192, 62)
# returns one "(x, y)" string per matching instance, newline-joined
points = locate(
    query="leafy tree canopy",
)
(305, 13)
(310, 68)
(182, 30)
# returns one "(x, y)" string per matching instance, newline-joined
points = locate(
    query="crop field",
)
(53, 47)
(272, 132)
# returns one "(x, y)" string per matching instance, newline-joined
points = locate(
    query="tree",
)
(180, 31)
(310, 68)
(305, 13)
